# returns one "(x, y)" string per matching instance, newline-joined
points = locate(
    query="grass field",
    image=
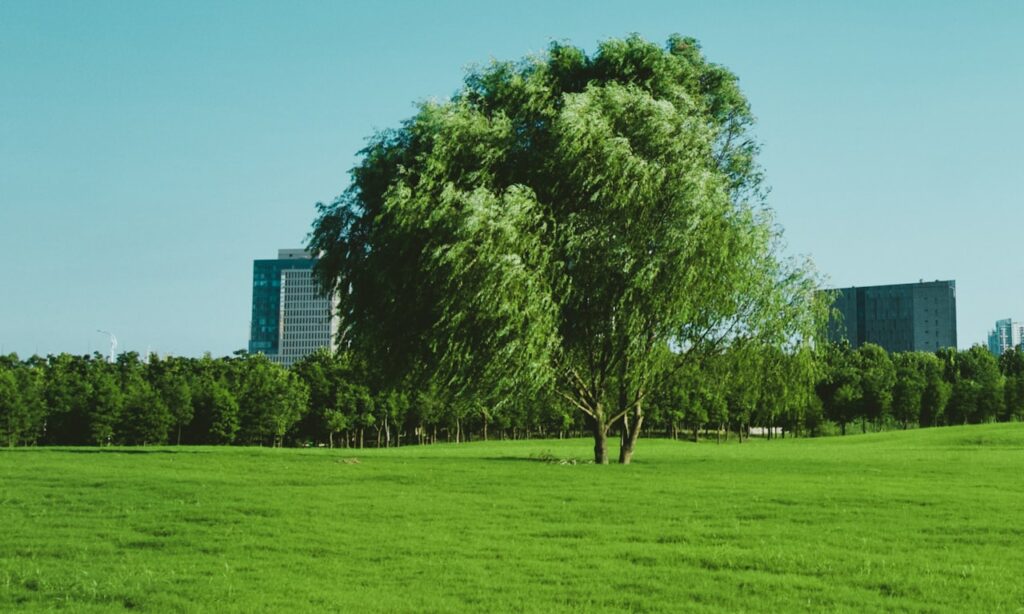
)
(924, 520)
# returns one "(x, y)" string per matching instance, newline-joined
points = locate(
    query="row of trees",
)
(871, 387)
(335, 399)
(78, 400)
(326, 399)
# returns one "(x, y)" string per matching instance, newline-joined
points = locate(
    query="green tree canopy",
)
(555, 223)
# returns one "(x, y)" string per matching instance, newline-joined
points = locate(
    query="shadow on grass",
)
(546, 458)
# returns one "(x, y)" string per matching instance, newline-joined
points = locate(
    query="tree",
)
(908, 391)
(222, 407)
(668, 398)
(177, 396)
(170, 378)
(106, 403)
(393, 406)
(29, 419)
(146, 419)
(271, 399)
(840, 388)
(356, 404)
(12, 411)
(877, 377)
(337, 422)
(555, 225)
(787, 386)
(936, 391)
(1011, 364)
(322, 372)
(980, 397)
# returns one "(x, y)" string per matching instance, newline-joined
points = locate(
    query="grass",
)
(918, 521)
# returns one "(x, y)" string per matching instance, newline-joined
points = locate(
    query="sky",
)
(149, 152)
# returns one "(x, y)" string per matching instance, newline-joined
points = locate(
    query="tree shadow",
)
(544, 458)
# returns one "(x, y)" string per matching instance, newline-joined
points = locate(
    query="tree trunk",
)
(361, 438)
(600, 443)
(179, 434)
(485, 427)
(630, 433)
(330, 437)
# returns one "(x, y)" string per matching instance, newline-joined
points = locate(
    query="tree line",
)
(336, 399)
(872, 388)
(328, 399)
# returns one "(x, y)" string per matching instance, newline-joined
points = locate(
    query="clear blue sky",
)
(150, 151)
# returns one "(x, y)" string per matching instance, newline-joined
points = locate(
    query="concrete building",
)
(900, 318)
(290, 319)
(1006, 336)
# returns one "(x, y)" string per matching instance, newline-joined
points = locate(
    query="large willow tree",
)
(560, 224)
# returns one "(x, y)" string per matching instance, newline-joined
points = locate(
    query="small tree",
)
(877, 378)
(145, 419)
(355, 402)
(840, 386)
(177, 397)
(224, 410)
(936, 393)
(106, 404)
(979, 396)
(908, 391)
(12, 411)
(1011, 364)
(337, 422)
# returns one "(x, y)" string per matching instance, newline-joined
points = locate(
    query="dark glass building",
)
(900, 318)
(265, 330)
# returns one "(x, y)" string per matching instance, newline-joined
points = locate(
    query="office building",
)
(290, 319)
(900, 318)
(1006, 336)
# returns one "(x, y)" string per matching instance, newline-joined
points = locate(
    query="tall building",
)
(290, 319)
(900, 318)
(1006, 336)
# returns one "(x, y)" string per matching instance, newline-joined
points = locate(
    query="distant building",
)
(900, 318)
(290, 319)
(1006, 336)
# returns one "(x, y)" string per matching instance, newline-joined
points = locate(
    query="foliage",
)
(1011, 364)
(556, 225)
(329, 398)
(877, 377)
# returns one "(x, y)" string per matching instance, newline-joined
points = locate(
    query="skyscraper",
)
(900, 318)
(290, 319)
(1006, 336)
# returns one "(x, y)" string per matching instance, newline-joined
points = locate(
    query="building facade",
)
(290, 319)
(900, 318)
(1006, 336)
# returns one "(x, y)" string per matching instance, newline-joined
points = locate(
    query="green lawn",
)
(924, 520)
